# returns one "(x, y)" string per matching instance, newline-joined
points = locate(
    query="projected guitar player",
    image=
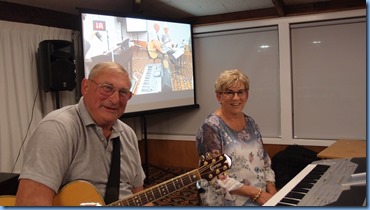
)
(159, 46)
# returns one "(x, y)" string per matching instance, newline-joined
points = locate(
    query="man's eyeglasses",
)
(108, 90)
(231, 94)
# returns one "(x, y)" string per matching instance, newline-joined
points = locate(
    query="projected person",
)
(75, 143)
(167, 45)
(157, 48)
(155, 45)
(166, 39)
(250, 181)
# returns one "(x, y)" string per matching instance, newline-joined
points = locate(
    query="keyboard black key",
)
(288, 200)
(295, 195)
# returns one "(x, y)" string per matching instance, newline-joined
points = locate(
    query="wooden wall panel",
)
(169, 153)
(183, 154)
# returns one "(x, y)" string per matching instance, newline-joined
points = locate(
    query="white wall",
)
(182, 125)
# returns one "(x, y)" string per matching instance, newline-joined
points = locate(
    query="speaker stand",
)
(57, 102)
(146, 163)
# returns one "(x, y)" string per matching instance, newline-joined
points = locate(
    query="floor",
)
(186, 196)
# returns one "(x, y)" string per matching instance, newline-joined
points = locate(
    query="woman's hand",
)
(271, 188)
(263, 198)
(253, 192)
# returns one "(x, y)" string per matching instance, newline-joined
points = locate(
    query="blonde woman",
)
(250, 181)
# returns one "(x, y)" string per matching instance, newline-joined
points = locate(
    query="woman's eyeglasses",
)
(231, 94)
(108, 90)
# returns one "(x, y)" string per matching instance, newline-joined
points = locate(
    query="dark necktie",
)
(112, 190)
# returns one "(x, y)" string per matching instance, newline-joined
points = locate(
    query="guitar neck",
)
(158, 191)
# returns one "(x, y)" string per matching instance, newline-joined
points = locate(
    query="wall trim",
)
(274, 141)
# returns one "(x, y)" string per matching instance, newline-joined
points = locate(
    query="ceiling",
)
(200, 10)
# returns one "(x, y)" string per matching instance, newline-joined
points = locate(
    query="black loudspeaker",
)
(8, 183)
(57, 69)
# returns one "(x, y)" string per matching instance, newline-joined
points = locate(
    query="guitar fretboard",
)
(154, 193)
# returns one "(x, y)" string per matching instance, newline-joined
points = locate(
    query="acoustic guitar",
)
(82, 193)
(153, 52)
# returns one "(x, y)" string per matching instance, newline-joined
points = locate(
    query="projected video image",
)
(157, 55)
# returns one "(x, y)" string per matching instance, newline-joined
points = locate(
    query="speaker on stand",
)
(57, 68)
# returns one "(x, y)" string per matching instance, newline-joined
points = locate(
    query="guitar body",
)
(7, 200)
(152, 50)
(78, 193)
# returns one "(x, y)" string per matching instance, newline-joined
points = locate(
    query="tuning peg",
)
(218, 153)
(202, 158)
(209, 156)
(210, 176)
(218, 171)
(221, 157)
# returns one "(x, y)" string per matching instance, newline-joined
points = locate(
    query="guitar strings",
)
(169, 186)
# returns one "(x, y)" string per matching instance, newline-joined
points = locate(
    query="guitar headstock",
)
(213, 167)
